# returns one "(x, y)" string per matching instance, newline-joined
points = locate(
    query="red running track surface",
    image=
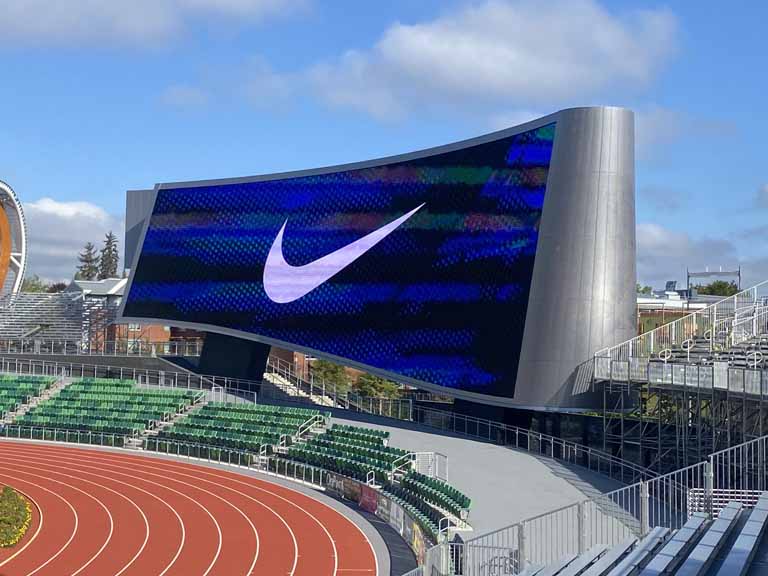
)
(107, 513)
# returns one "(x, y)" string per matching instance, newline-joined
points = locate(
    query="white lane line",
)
(78, 459)
(74, 512)
(37, 532)
(35, 455)
(16, 463)
(18, 466)
(232, 477)
(151, 466)
(112, 463)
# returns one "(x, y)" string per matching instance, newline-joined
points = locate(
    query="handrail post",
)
(644, 509)
(522, 560)
(708, 486)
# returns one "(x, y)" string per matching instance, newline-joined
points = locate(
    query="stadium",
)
(175, 419)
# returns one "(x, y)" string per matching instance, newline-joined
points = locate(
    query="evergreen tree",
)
(110, 257)
(88, 268)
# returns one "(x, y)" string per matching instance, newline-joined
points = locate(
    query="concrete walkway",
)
(505, 485)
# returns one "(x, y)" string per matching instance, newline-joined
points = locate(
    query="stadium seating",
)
(15, 390)
(437, 493)
(239, 426)
(350, 451)
(106, 406)
(723, 546)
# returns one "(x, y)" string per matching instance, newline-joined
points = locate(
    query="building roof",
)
(106, 287)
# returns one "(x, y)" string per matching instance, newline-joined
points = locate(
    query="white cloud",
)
(515, 52)
(656, 127)
(510, 118)
(135, 21)
(664, 254)
(57, 232)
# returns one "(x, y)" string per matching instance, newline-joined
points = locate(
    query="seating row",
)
(107, 406)
(438, 492)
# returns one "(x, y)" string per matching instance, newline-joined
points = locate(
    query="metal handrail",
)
(120, 347)
(683, 328)
(735, 473)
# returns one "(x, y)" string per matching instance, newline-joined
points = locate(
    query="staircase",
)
(137, 442)
(46, 394)
(282, 383)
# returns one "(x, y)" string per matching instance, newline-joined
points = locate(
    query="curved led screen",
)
(419, 269)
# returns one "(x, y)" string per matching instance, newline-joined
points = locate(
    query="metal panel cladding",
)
(420, 269)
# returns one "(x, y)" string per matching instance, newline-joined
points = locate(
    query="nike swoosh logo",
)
(284, 283)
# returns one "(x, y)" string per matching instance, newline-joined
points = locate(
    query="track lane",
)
(266, 526)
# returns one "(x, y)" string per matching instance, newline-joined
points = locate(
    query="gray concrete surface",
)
(505, 485)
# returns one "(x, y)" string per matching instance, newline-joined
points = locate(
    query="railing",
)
(531, 441)
(737, 473)
(717, 376)
(704, 323)
(317, 391)
(124, 347)
(241, 458)
(469, 426)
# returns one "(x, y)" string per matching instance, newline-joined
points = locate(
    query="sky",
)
(102, 97)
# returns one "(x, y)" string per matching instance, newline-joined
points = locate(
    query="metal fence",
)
(123, 347)
(531, 441)
(739, 314)
(317, 391)
(445, 421)
(737, 473)
(304, 473)
(718, 376)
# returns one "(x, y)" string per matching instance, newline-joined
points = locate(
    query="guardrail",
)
(704, 323)
(123, 347)
(468, 426)
(737, 473)
(718, 376)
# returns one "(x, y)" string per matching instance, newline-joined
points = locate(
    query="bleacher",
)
(724, 546)
(107, 406)
(240, 426)
(350, 451)
(16, 390)
(40, 315)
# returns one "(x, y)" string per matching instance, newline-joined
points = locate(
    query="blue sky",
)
(103, 97)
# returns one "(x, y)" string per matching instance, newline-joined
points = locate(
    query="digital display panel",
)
(419, 268)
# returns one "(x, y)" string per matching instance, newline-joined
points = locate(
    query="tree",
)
(56, 287)
(88, 268)
(332, 374)
(645, 290)
(370, 385)
(34, 284)
(718, 288)
(110, 257)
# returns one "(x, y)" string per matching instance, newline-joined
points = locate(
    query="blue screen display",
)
(419, 268)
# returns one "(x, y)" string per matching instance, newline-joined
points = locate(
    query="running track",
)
(107, 513)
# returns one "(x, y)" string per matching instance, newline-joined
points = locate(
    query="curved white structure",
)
(13, 241)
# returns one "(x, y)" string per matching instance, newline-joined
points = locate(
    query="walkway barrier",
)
(445, 421)
(123, 347)
(736, 474)
(367, 497)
